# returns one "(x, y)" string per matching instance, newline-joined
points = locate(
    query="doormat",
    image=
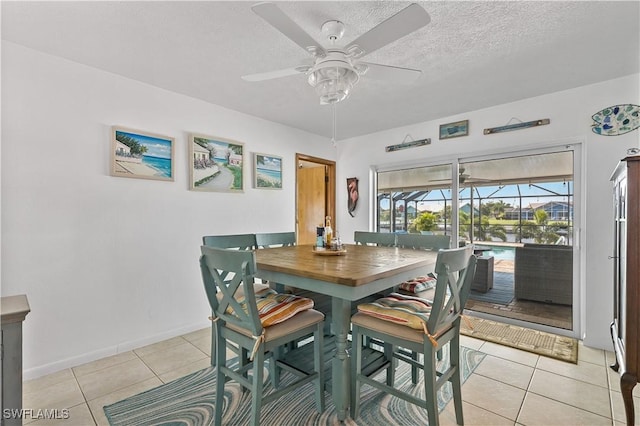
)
(526, 339)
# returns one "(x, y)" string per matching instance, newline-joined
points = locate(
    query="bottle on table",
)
(320, 236)
(328, 232)
(338, 242)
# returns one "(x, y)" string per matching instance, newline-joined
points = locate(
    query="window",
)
(500, 204)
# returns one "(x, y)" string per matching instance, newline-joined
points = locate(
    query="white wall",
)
(111, 263)
(570, 114)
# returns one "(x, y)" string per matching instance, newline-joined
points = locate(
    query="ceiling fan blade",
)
(389, 73)
(270, 75)
(406, 21)
(277, 18)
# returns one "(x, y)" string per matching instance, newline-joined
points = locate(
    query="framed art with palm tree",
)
(143, 155)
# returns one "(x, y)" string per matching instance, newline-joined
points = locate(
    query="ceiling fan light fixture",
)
(333, 80)
(335, 69)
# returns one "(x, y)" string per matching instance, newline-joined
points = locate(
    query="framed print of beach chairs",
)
(454, 130)
(137, 154)
(267, 171)
(217, 164)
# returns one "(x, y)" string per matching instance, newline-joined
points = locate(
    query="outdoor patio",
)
(496, 301)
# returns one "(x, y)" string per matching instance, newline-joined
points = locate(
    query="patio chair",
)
(420, 326)
(259, 325)
(544, 273)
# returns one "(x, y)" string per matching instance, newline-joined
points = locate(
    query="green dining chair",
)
(380, 239)
(385, 239)
(275, 239)
(284, 239)
(420, 326)
(231, 242)
(423, 242)
(429, 242)
(259, 325)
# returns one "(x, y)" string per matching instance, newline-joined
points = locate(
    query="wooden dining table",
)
(358, 272)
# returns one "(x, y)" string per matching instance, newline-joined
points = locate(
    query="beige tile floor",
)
(510, 387)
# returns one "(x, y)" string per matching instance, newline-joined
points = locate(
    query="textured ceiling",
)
(473, 54)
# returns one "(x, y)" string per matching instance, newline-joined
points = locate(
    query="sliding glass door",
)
(416, 200)
(517, 210)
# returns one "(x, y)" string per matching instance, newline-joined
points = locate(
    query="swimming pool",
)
(501, 253)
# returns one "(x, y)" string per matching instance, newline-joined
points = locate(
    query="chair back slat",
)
(235, 241)
(384, 239)
(275, 239)
(424, 242)
(454, 269)
(228, 276)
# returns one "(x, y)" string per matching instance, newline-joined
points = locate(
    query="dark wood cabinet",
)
(625, 328)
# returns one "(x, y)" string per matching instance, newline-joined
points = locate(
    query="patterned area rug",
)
(191, 401)
(538, 342)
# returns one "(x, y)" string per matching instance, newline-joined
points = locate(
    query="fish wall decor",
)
(616, 120)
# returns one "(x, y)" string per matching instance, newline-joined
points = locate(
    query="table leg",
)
(341, 321)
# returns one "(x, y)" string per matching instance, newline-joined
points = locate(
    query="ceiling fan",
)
(334, 70)
(462, 178)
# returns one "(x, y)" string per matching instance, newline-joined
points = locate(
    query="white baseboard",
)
(43, 370)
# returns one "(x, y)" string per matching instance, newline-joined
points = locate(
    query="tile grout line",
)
(84, 397)
(149, 367)
(133, 351)
(157, 375)
(609, 378)
(528, 391)
(566, 403)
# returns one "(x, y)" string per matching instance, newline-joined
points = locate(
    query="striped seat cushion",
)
(419, 284)
(274, 308)
(401, 309)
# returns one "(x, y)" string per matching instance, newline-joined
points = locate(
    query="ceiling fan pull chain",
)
(333, 137)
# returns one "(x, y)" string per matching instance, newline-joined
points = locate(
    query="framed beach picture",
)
(454, 130)
(267, 171)
(143, 155)
(217, 164)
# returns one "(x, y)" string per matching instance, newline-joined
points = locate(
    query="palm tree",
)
(499, 208)
(541, 231)
(135, 147)
(427, 221)
(486, 231)
(482, 229)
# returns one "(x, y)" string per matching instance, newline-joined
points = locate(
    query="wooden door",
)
(311, 190)
(315, 195)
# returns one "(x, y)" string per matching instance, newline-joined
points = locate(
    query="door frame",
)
(330, 189)
(574, 144)
(579, 207)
